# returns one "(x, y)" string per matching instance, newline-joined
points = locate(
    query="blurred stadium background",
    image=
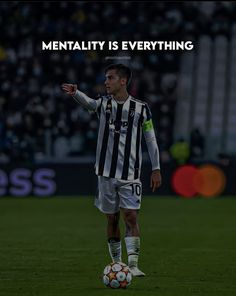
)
(48, 142)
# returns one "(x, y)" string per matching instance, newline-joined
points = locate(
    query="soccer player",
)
(122, 120)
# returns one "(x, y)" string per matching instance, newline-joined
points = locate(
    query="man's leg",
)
(107, 201)
(132, 240)
(113, 234)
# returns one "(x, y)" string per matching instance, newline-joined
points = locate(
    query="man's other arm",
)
(153, 150)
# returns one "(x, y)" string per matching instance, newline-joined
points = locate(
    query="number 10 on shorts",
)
(136, 189)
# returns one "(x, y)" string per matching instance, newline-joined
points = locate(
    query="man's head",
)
(118, 77)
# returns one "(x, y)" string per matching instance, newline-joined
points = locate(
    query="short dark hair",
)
(122, 70)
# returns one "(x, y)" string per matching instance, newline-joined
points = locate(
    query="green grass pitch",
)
(57, 246)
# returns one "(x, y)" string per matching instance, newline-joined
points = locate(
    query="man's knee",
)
(113, 219)
(130, 217)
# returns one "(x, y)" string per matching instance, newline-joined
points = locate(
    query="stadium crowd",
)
(37, 120)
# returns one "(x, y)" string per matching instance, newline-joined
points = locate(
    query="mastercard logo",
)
(207, 181)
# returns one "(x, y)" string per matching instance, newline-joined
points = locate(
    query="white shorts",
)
(114, 194)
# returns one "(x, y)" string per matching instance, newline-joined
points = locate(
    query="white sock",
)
(114, 247)
(132, 247)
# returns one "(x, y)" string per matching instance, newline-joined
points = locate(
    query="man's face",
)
(113, 82)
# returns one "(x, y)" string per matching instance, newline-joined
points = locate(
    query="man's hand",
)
(155, 180)
(69, 89)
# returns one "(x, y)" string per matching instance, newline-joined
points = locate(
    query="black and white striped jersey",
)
(121, 126)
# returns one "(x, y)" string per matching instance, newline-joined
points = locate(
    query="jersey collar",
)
(122, 102)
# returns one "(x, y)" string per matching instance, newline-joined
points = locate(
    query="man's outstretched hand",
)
(155, 180)
(69, 89)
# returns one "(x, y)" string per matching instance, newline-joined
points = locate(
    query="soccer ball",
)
(117, 275)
